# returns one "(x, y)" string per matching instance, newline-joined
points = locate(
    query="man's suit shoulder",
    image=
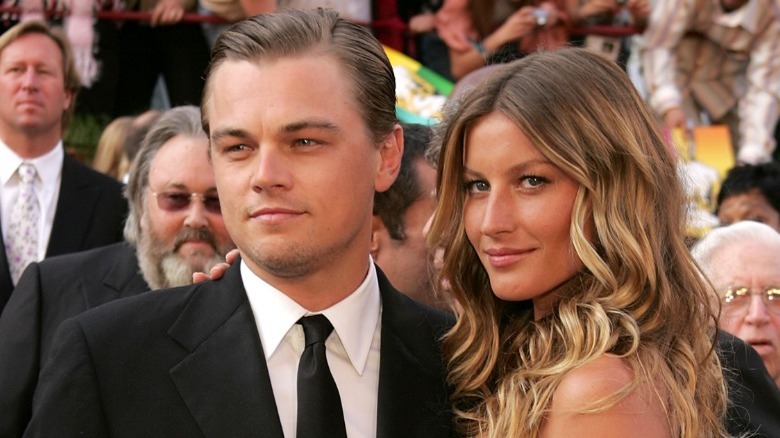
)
(112, 198)
(91, 210)
(156, 307)
(84, 174)
(90, 258)
(155, 313)
(418, 313)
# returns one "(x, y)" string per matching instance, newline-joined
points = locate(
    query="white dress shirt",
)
(47, 189)
(352, 349)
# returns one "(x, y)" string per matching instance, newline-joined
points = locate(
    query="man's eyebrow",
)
(310, 124)
(176, 185)
(289, 128)
(219, 134)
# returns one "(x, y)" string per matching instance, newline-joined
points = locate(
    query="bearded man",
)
(174, 228)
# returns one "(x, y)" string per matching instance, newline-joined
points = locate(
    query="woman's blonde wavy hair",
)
(640, 295)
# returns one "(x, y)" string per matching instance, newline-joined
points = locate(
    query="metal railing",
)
(384, 25)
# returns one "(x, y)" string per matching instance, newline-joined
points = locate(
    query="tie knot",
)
(26, 172)
(316, 328)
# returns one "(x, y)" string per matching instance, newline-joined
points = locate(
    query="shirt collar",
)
(354, 318)
(48, 166)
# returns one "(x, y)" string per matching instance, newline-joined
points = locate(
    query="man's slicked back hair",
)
(266, 38)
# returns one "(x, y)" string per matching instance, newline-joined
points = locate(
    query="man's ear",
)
(68, 100)
(390, 153)
(378, 230)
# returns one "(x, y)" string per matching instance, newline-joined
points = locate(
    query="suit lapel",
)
(224, 379)
(125, 276)
(121, 281)
(413, 399)
(76, 201)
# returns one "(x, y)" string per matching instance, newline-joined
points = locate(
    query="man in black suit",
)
(77, 208)
(299, 108)
(754, 399)
(166, 243)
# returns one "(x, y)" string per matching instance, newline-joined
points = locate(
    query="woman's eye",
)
(477, 186)
(532, 182)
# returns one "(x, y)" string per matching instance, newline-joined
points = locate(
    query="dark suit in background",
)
(49, 292)
(189, 362)
(90, 212)
(754, 399)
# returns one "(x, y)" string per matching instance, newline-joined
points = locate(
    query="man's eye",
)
(211, 199)
(178, 198)
(306, 142)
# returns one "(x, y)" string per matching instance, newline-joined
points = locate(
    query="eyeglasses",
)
(736, 299)
(178, 201)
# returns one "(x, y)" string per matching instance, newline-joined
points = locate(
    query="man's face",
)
(32, 87)
(748, 206)
(407, 263)
(177, 240)
(753, 265)
(296, 170)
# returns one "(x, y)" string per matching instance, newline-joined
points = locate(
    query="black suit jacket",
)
(188, 362)
(48, 293)
(754, 399)
(90, 212)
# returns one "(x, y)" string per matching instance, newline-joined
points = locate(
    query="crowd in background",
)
(695, 65)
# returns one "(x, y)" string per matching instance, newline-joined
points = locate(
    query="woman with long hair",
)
(581, 310)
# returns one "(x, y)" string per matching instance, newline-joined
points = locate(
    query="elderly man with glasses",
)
(741, 261)
(175, 228)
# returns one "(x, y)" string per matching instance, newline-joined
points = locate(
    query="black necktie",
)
(319, 403)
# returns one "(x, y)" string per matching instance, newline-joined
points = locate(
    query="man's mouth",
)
(195, 245)
(200, 238)
(763, 347)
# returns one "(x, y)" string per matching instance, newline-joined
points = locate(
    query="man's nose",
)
(196, 214)
(271, 170)
(757, 312)
(30, 79)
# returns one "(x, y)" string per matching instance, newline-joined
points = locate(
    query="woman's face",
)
(517, 213)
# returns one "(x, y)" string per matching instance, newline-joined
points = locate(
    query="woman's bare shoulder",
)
(640, 413)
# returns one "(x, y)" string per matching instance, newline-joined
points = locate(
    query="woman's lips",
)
(504, 257)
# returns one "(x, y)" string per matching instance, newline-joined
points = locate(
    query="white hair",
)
(720, 239)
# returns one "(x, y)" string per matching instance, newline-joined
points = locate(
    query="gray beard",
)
(162, 267)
